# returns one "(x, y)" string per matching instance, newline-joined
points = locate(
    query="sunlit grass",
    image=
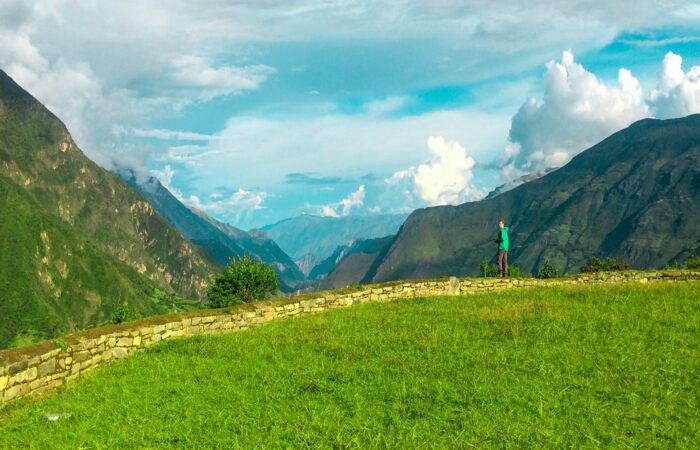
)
(579, 366)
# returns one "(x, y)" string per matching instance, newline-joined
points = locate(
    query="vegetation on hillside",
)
(245, 280)
(610, 366)
(76, 240)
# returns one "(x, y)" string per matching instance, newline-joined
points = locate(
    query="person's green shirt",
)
(503, 239)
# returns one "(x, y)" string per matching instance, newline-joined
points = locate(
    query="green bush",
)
(547, 270)
(245, 280)
(488, 270)
(124, 312)
(693, 264)
(596, 264)
(517, 272)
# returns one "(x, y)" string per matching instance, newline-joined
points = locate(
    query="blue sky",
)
(257, 111)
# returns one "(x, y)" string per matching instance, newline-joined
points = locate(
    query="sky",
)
(259, 110)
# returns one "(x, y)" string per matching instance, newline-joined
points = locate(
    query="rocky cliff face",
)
(635, 196)
(43, 170)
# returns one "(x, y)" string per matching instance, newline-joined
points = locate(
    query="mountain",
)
(349, 263)
(518, 181)
(221, 241)
(310, 239)
(77, 239)
(635, 196)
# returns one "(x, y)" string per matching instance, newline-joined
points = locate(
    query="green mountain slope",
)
(349, 263)
(220, 240)
(635, 195)
(77, 238)
(310, 239)
(52, 280)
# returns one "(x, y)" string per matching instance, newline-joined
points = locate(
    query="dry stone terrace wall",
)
(45, 366)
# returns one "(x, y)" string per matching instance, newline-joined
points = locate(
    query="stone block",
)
(125, 342)
(137, 341)
(17, 367)
(81, 356)
(119, 352)
(29, 374)
(4, 381)
(47, 367)
(11, 393)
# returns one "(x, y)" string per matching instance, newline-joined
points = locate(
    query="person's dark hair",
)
(501, 220)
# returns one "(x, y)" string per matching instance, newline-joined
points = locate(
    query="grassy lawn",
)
(615, 365)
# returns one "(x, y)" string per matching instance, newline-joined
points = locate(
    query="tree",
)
(245, 280)
(547, 270)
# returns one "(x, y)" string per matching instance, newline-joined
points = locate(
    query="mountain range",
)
(634, 196)
(76, 239)
(310, 239)
(221, 241)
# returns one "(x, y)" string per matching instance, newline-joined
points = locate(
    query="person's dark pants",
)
(502, 263)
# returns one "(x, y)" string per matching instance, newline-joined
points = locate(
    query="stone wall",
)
(45, 366)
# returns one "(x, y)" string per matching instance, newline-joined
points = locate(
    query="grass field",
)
(611, 366)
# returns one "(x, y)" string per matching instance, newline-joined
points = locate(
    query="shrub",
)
(596, 264)
(124, 312)
(516, 272)
(547, 270)
(245, 280)
(61, 344)
(693, 264)
(488, 270)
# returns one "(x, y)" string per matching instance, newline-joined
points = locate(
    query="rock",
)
(47, 368)
(52, 417)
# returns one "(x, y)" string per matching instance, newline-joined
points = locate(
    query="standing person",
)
(502, 241)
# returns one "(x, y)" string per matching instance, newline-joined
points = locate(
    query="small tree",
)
(547, 270)
(124, 312)
(245, 280)
(488, 270)
(693, 264)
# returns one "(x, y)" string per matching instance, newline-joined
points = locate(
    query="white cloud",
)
(677, 93)
(340, 145)
(444, 180)
(385, 106)
(197, 73)
(344, 207)
(578, 110)
(159, 133)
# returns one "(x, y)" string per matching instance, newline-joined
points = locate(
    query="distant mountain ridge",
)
(349, 264)
(634, 196)
(310, 239)
(222, 241)
(77, 240)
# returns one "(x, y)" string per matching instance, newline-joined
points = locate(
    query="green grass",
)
(611, 366)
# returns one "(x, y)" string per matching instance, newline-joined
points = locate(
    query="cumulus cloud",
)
(444, 180)
(355, 200)
(677, 92)
(578, 110)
